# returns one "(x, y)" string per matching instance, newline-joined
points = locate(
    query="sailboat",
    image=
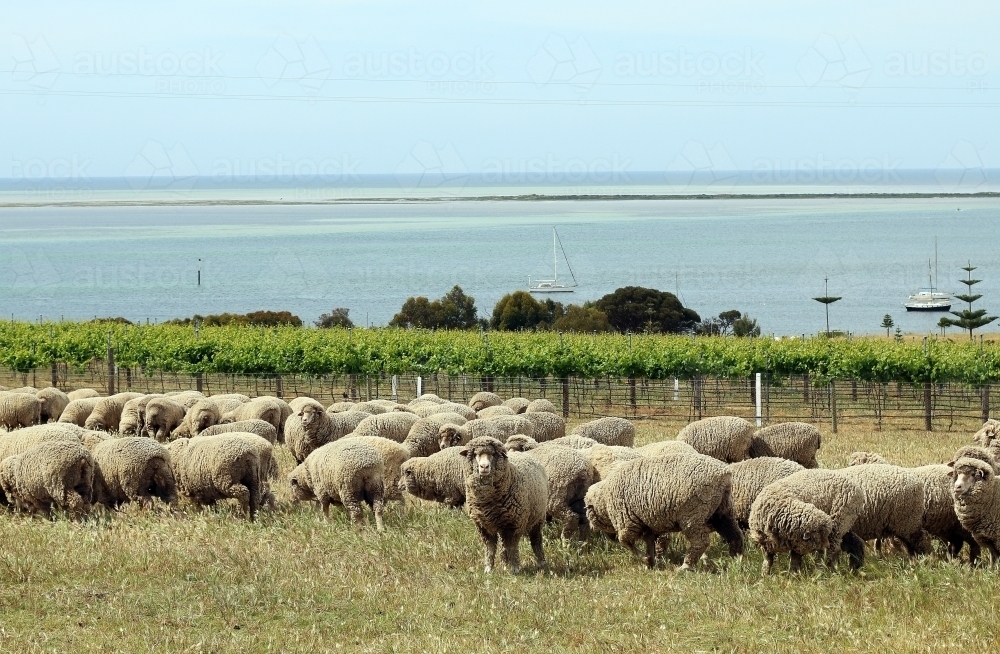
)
(928, 298)
(553, 285)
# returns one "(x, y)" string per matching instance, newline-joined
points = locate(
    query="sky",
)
(511, 91)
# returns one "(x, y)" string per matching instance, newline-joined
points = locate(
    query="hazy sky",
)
(350, 88)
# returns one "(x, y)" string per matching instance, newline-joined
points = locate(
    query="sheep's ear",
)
(464, 452)
(503, 453)
(806, 536)
(293, 481)
(980, 475)
(950, 464)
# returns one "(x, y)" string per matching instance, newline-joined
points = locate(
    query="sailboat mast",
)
(935, 263)
(555, 258)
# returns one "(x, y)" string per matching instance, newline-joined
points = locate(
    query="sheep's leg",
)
(650, 557)
(662, 545)
(795, 562)
(698, 540)
(242, 495)
(535, 537)
(855, 548)
(375, 496)
(325, 503)
(768, 563)
(353, 506)
(627, 538)
(490, 541)
(571, 523)
(511, 553)
(974, 551)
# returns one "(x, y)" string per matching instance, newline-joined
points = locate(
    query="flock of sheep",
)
(509, 463)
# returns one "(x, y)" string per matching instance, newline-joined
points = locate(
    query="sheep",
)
(54, 401)
(974, 452)
(263, 429)
(545, 426)
(608, 431)
(373, 407)
(133, 420)
(500, 428)
(19, 410)
(568, 474)
(423, 437)
(796, 441)
(860, 458)
(650, 497)
(988, 437)
(265, 455)
(163, 416)
(805, 512)
(461, 409)
(725, 438)
(394, 425)
(506, 497)
(82, 394)
(312, 427)
(202, 415)
(107, 413)
(54, 473)
(296, 403)
(132, 469)
(484, 399)
(393, 454)
(499, 410)
(421, 409)
(25, 390)
(188, 399)
(659, 448)
(239, 397)
(517, 404)
(749, 479)
(541, 406)
(522, 443)
(24, 439)
(347, 472)
(893, 505)
(439, 477)
(976, 493)
(268, 409)
(604, 458)
(428, 397)
(939, 517)
(77, 411)
(212, 468)
(340, 407)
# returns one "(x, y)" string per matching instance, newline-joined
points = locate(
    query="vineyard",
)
(271, 351)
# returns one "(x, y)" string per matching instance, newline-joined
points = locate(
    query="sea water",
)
(765, 257)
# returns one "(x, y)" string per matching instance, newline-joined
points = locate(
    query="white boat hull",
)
(551, 290)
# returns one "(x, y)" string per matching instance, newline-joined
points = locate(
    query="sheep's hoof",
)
(649, 561)
(686, 568)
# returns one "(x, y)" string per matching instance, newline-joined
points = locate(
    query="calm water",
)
(764, 257)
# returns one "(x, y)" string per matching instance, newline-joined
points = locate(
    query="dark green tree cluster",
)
(729, 323)
(255, 318)
(636, 309)
(455, 310)
(337, 317)
(521, 311)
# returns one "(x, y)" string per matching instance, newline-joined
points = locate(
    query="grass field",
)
(207, 581)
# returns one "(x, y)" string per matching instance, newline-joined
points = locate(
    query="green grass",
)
(205, 581)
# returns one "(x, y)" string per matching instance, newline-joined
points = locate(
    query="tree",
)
(455, 310)
(944, 324)
(888, 324)
(827, 299)
(585, 319)
(967, 318)
(637, 309)
(336, 318)
(520, 310)
(746, 326)
(727, 320)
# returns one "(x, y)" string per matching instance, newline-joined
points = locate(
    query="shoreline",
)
(530, 197)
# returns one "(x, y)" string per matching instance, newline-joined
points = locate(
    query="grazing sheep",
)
(541, 406)
(517, 404)
(202, 415)
(346, 472)
(608, 431)
(163, 416)
(576, 442)
(545, 426)
(133, 420)
(725, 438)
(312, 427)
(428, 397)
(749, 479)
(263, 429)
(374, 407)
(423, 438)
(988, 437)
(26, 390)
(394, 425)
(650, 497)
(265, 455)
(506, 497)
(107, 413)
(82, 394)
(893, 505)
(805, 512)
(940, 519)
(861, 458)
(394, 455)
(212, 468)
(660, 448)
(54, 401)
(439, 477)
(19, 410)
(132, 469)
(22, 440)
(268, 409)
(340, 407)
(492, 411)
(977, 497)
(461, 409)
(568, 474)
(239, 397)
(53, 473)
(77, 411)
(422, 409)
(188, 399)
(484, 399)
(520, 443)
(499, 428)
(795, 441)
(604, 458)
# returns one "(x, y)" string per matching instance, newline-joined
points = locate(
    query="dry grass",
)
(207, 581)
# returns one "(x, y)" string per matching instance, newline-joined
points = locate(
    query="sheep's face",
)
(485, 456)
(977, 453)
(520, 443)
(408, 479)
(815, 533)
(449, 436)
(969, 476)
(300, 489)
(987, 434)
(479, 405)
(861, 458)
(309, 416)
(594, 507)
(94, 423)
